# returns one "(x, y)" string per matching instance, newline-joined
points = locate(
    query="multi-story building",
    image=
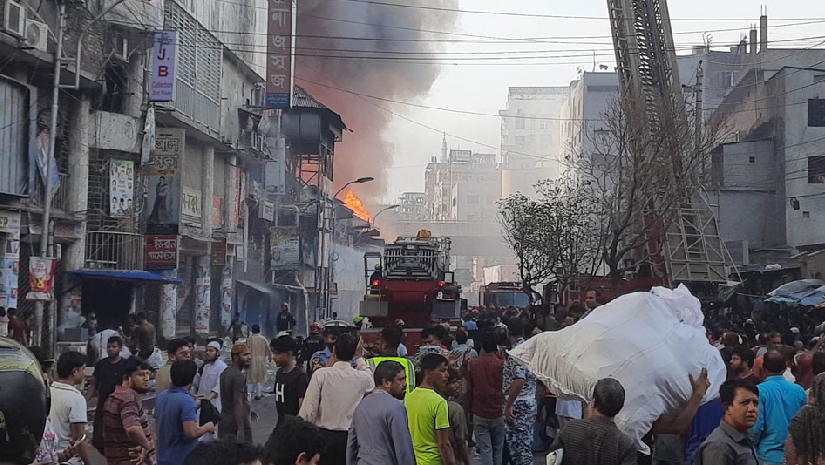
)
(187, 210)
(530, 132)
(463, 186)
(411, 206)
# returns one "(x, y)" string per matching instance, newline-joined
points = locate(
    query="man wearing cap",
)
(236, 412)
(313, 343)
(207, 381)
(285, 321)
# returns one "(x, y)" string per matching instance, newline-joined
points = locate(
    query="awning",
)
(120, 275)
(262, 288)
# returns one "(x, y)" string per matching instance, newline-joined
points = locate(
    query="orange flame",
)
(354, 203)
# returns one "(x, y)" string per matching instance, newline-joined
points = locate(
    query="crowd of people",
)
(459, 400)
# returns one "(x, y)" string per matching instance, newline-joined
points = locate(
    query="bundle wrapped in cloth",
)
(651, 342)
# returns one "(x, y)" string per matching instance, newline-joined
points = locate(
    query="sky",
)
(481, 85)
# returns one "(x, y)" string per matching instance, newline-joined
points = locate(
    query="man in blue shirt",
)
(177, 416)
(779, 402)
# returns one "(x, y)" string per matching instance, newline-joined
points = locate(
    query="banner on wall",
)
(161, 253)
(121, 188)
(163, 175)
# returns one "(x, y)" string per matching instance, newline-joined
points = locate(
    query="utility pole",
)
(698, 117)
(41, 311)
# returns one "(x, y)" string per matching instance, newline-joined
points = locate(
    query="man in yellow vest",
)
(387, 346)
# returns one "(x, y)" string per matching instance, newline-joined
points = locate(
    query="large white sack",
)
(649, 341)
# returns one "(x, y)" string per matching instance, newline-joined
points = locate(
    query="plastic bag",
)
(649, 341)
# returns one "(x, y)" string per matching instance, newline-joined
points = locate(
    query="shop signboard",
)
(285, 249)
(162, 79)
(121, 188)
(191, 209)
(163, 177)
(218, 252)
(9, 222)
(280, 52)
(161, 253)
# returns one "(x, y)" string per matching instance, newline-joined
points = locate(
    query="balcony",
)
(112, 250)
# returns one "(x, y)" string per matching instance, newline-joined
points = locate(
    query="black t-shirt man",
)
(285, 321)
(289, 389)
(107, 376)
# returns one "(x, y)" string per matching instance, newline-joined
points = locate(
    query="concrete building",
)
(463, 186)
(530, 135)
(412, 206)
(188, 211)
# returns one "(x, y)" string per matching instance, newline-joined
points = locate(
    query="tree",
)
(553, 235)
(525, 227)
(640, 171)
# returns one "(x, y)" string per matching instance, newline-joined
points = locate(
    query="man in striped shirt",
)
(126, 436)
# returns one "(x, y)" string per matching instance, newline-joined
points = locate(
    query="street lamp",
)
(391, 207)
(357, 181)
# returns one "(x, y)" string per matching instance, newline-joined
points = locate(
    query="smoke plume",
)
(365, 151)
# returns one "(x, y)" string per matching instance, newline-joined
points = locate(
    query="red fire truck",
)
(411, 281)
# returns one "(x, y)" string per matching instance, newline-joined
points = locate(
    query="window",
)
(816, 113)
(472, 199)
(545, 124)
(519, 123)
(806, 214)
(728, 79)
(816, 170)
(751, 159)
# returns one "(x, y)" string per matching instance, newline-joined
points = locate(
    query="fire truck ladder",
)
(649, 75)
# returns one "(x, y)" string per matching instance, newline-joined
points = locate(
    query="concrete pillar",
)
(207, 189)
(231, 180)
(133, 100)
(74, 254)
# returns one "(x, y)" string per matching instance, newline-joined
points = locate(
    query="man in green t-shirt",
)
(428, 415)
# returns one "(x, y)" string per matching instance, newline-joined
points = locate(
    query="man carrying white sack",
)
(651, 342)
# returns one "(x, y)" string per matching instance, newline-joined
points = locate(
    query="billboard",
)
(280, 53)
(121, 188)
(163, 179)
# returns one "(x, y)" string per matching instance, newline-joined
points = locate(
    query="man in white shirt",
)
(68, 407)
(343, 388)
(207, 382)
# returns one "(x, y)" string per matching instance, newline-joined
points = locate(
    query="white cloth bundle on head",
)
(651, 342)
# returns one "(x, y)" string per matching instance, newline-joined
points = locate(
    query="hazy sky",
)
(483, 87)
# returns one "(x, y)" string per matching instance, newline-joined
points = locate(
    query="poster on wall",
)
(168, 304)
(121, 188)
(203, 291)
(226, 298)
(41, 278)
(163, 182)
(191, 209)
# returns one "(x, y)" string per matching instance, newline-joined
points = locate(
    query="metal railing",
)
(114, 250)
(60, 197)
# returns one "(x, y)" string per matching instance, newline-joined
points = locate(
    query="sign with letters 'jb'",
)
(164, 54)
(280, 53)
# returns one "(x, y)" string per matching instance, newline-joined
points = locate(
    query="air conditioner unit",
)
(258, 97)
(13, 20)
(37, 35)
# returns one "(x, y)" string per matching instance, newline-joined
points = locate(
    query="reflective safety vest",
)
(405, 362)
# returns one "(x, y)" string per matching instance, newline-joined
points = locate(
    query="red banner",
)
(41, 278)
(161, 253)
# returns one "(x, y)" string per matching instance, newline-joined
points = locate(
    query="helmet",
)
(377, 266)
(23, 403)
(314, 328)
(398, 322)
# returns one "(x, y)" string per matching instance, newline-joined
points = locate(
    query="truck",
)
(502, 287)
(410, 280)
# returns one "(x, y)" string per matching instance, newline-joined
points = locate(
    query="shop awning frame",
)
(122, 275)
(262, 288)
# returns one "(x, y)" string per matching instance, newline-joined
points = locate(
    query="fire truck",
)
(410, 280)
(503, 294)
